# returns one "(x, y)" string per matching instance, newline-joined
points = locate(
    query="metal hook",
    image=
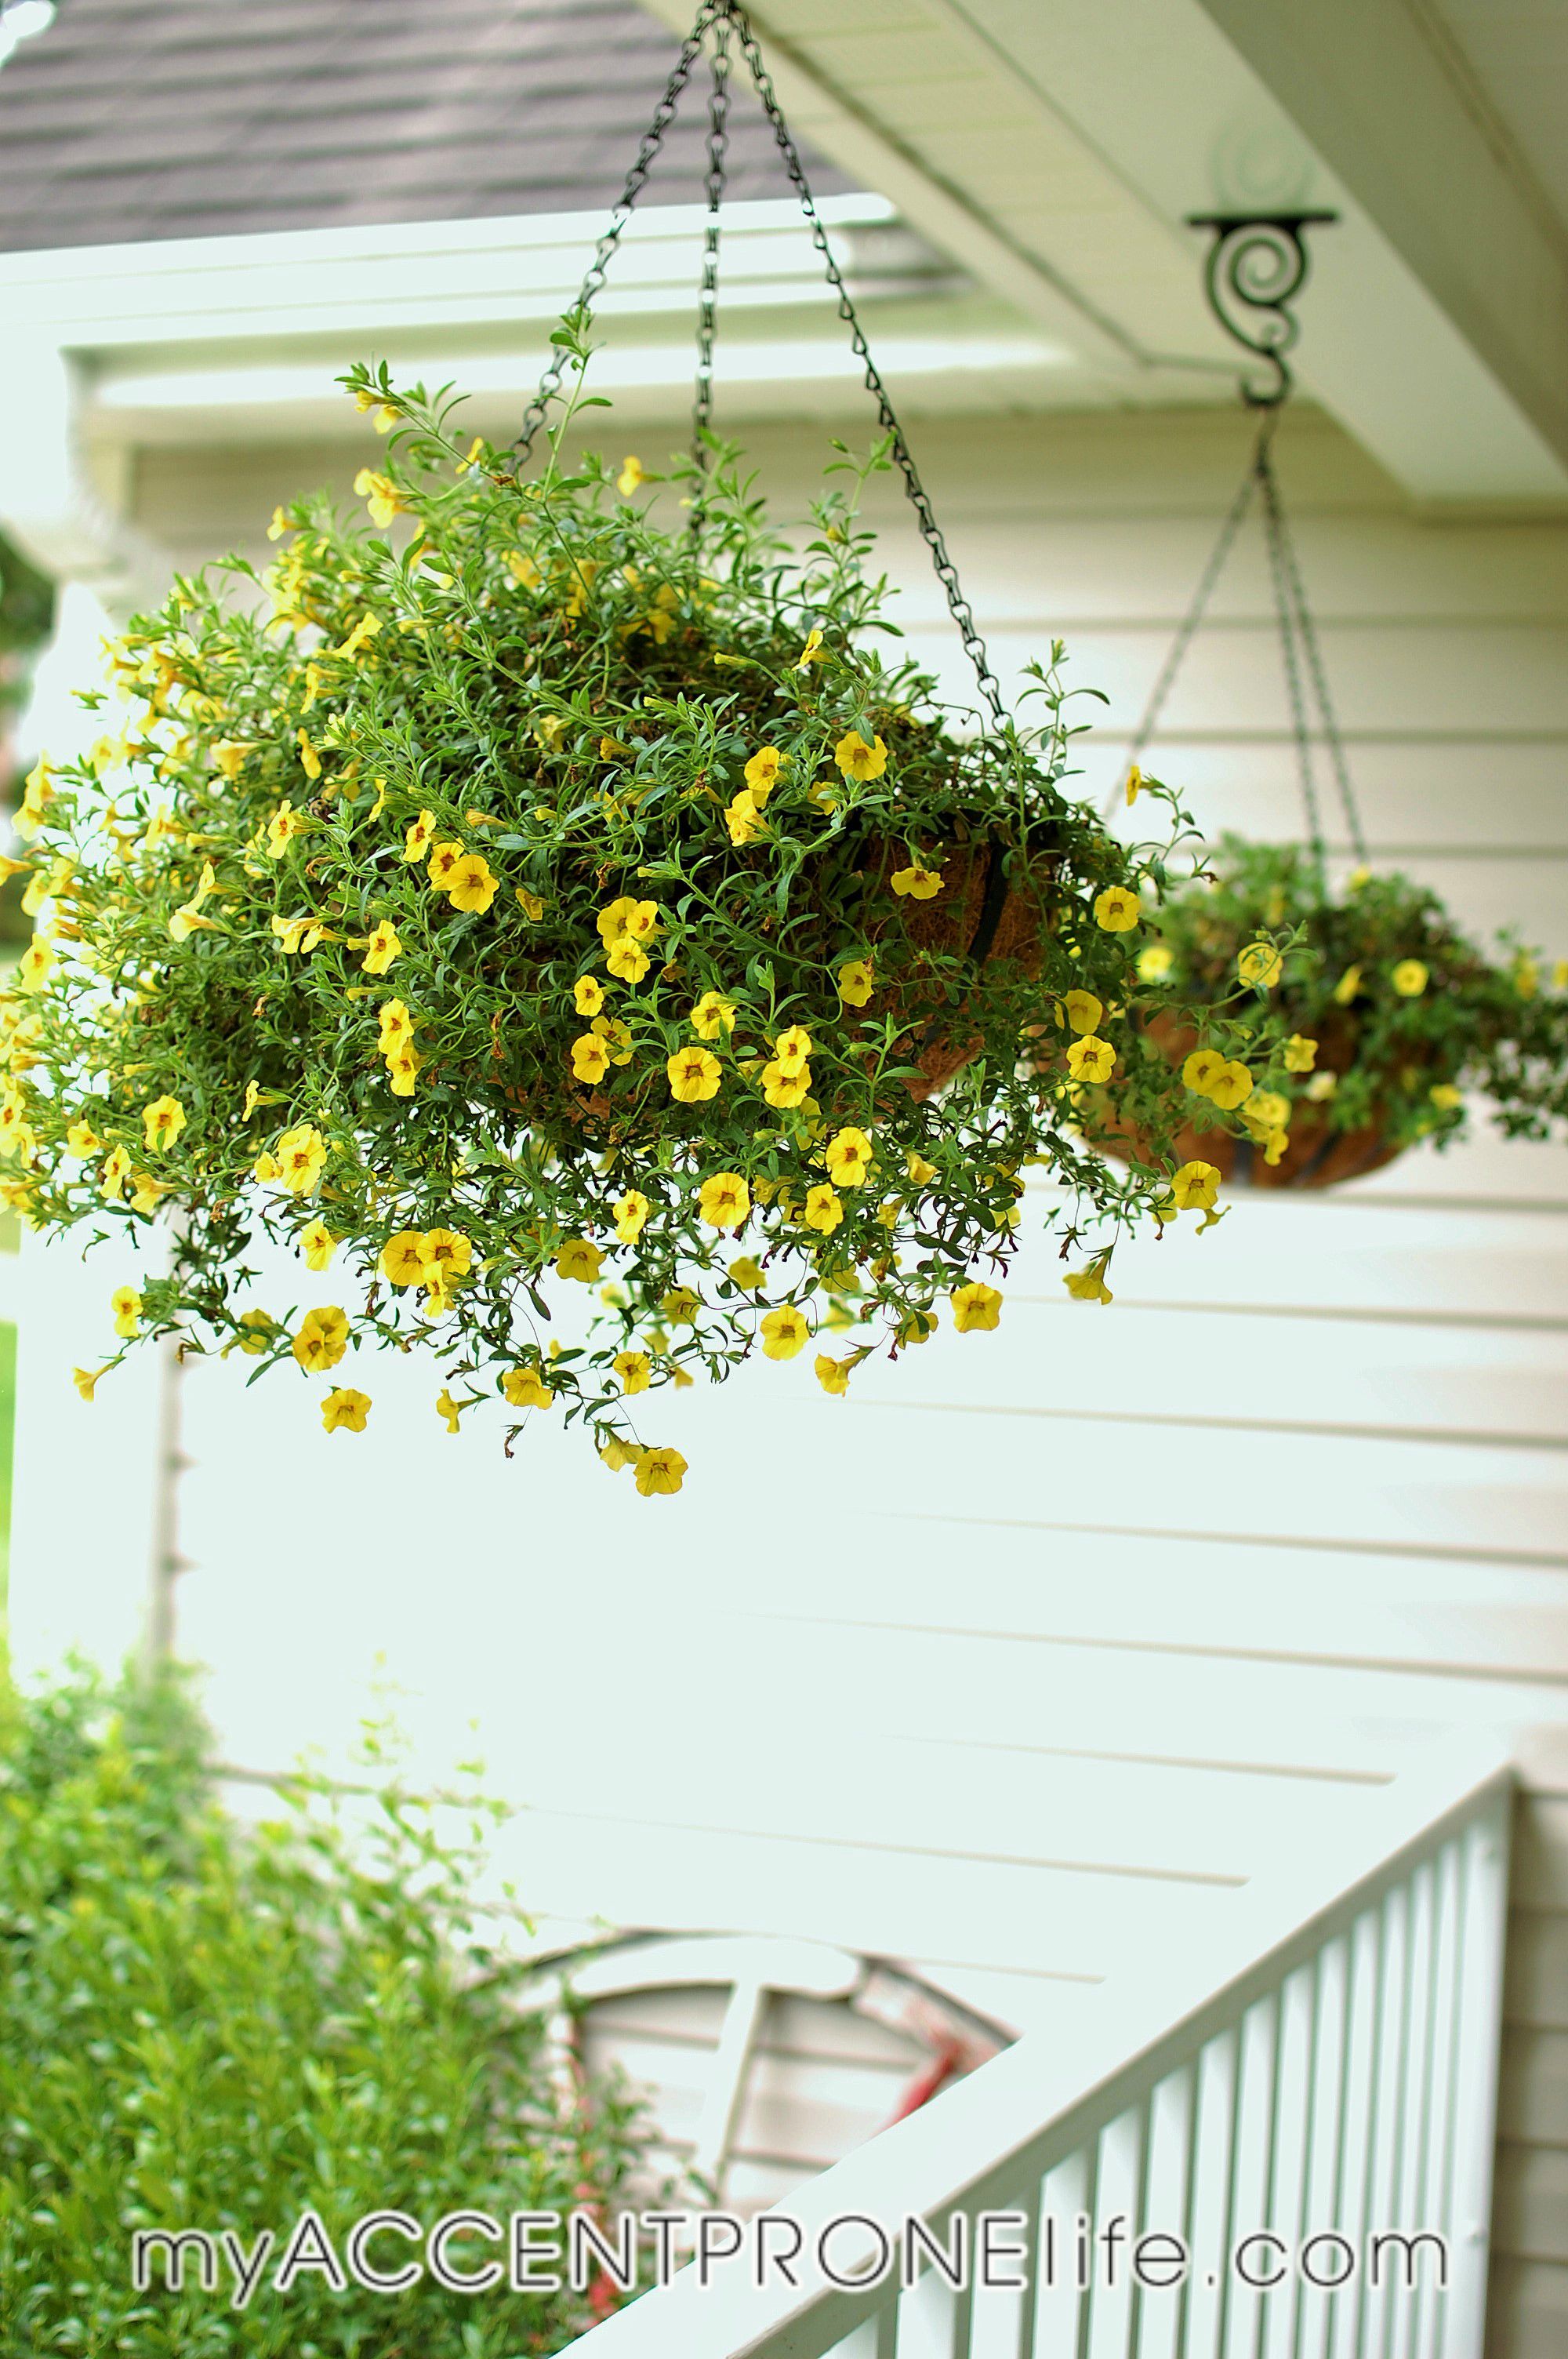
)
(1257, 266)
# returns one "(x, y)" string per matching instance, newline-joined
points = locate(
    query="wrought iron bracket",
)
(1257, 265)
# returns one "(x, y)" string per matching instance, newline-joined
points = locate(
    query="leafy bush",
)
(528, 895)
(205, 2028)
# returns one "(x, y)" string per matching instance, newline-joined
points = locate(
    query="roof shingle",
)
(132, 120)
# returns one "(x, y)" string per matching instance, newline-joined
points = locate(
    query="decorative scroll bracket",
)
(1257, 265)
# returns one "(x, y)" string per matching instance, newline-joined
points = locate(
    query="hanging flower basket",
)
(1339, 1029)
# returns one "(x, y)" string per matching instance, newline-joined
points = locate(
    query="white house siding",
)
(1017, 1662)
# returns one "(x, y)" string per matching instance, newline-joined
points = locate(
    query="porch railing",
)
(1331, 2073)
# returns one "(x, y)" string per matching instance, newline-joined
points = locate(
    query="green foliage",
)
(527, 895)
(200, 2027)
(1408, 1014)
(26, 615)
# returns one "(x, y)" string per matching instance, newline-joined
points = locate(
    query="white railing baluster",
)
(1330, 2071)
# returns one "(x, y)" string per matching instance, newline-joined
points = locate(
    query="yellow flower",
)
(322, 1340)
(402, 1259)
(588, 994)
(634, 1370)
(1525, 978)
(617, 1453)
(442, 865)
(791, 1049)
(724, 1201)
(631, 479)
(832, 1375)
(1349, 983)
(284, 824)
(279, 527)
(381, 948)
(680, 1307)
(318, 1243)
(856, 759)
(112, 1178)
(297, 935)
(265, 1167)
(396, 1025)
(1444, 1096)
(345, 1411)
(590, 1058)
(975, 1307)
(523, 568)
(1301, 1054)
(627, 959)
(1193, 1187)
(578, 1259)
(711, 1016)
(782, 1089)
(531, 905)
(446, 1407)
(823, 1209)
(309, 760)
(763, 772)
(146, 1193)
(1260, 964)
(694, 1075)
(256, 1331)
(742, 817)
(1201, 1069)
(1134, 784)
(445, 1255)
(661, 1471)
(1088, 1285)
(81, 1140)
(855, 981)
(1409, 978)
(811, 653)
(916, 1327)
(402, 1071)
(1266, 1110)
(472, 885)
(848, 1158)
(629, 1212)
(85, 1379)
(1231, 1086)
(1116, 910)
(227, 757)
(919, 883)
(919, 1169)
(1155, 962)
(1091, 1059)
(381, 496)
(1083, 1010)
(301, 1154)
(418, 836)
(163, 1121)
(786, 1331)
(747, 1272)
(639, 919)
(37, 963)
(525, 1388)
(126, 1305)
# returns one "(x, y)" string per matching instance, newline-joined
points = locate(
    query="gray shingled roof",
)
(145, 119)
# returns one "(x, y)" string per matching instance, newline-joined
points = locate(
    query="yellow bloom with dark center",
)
(318, 1243)
(1409, 978)
(762, 773)
(976, 1307)
(322, 1338)
(531, 905)
(857, 760)
(781, 1089)
(345, 1411)
(786, 1331)
(525, 1387)
(35, 965)
(917, 883)
(916, 1327)
(1301, 1054)
(630, 1213)
(588, 994)
(445, 1255)
(746, 1271)
(1201, 1069)
(1349, 983)
(381, 496)
(126, 1305)
(402, 1261)
(146, 1193)
(417, 841)
(227, 757)
(402, 1071)
(284, 824)
(578, 1259)
(694, 1075)
(680, 1307)
(848, 1156)
(724, 1201)
(639, 919)
(1082, 1010)
(162, 1122)
(742, 817)
(473, 884)
(855, 981)
(1260, 964)
(660, 1471)
(297, 936)
(396, 1026)
(301, 1155)
(1266, 1110)
(1117, 910)
(1231, 1086)
(633, 1371)
(381, 948)
(1193, 1187)
(823, 1209)
(627, 959)
(590, 1058)
(791, 1049)
(112, 1178)
(1091, 1059)
(309, 759)
(811, 653)
(82, 1141)
(447, 1407)
(442, 865)
(256, 1331)
(1155, 962)
(1134, 784)
(712, 1014)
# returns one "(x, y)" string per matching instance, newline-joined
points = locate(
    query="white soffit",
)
(1055, 146)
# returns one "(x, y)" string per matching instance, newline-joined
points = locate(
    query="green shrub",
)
(201, 2025)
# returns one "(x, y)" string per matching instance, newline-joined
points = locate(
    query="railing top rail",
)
(1033, 2106)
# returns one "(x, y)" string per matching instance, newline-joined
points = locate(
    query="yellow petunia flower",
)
(917, 883)
(318, 1243)
(322, 1338)
(832, 1375)
(1083, 1010)
(1200, 1069)
(309, 759)
(791, 1049)
(284, 826)
(631, 477)
(112, 1178)
(345, 1411)
(590, 1058)
(712, 1014)
(445, 1255)
(36, 966)
(1091, 1059)
(1088, 1285)
(1301, 1054)
(1117, 910)
(1409, 978)
(381, 496)
(786, 1331)
(402, 1071)
(525, 1387)
(578, 1259)
(855, 981)
(301, 1155)
(811, 653)
(1231, 1086)
(919, 1169)
(1260, 964)
(742, 817)
(634, 1371)
(746, 1271)
(625, 916)
(660, 1472)
(588, 994)
(82, 1141)
(531, 905)
(1193, 1187)
(627, 959)
(848, 1158)
(856, 759)
(446, 1407)
(976, 1307)
(85, 1380)
(382, 948)
(823, 1209)
(694, 1076)
(473, 884)
(781, 1089)
(394, 1024)
(442, 865)
(762, 773)
(417, 841)
(1349, 983)
(1155, 962)
(1445, 1096)
(162, 1122)
(402, 1261)
(630, 1213)
(724, 1201)
(126, 1305)
(1134, 785)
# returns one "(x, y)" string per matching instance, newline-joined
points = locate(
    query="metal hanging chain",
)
(1306, 632)
(707, 297)
(1299, 723)
(930, 531)
(604, 253)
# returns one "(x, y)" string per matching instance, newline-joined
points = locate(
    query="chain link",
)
(1273, 530)
(1306, 631)
(707, 296)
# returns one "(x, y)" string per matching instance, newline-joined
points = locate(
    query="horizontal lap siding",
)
(1073, 1626)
